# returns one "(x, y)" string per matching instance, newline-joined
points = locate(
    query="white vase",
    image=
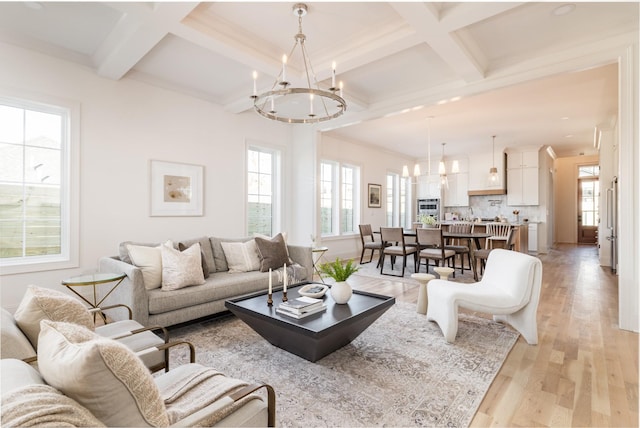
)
(341, 292)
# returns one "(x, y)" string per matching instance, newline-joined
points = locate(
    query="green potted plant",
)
(427, 220)
(340, 291)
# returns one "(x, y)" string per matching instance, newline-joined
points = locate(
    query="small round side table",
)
(423, 279)
(93, 280)
(443, 271)
(316, 255)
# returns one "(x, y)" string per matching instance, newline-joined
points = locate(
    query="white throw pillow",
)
(149, 260)
(101, 374)
(40, 303)
(181, 269)
(242, 256)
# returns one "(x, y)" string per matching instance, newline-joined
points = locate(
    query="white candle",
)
(284, 282)
(270, 285)
(255, 89)
(333, 74)
(284, 68)
(341, 89)
(310, 104)
(273, 107)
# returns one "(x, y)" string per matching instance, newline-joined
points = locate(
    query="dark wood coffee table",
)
(317, 335)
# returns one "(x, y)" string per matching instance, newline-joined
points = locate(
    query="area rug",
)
(370, 270)
(398, 372)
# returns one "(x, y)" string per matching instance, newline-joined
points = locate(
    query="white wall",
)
(124, 124)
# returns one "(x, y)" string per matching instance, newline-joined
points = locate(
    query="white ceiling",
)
(514, 70)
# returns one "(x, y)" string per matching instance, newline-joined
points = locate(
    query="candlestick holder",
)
(284, 296)
(269, 300)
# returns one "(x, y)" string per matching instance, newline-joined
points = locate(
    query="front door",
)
(588, 191)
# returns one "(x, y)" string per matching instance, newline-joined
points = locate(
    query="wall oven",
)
(429, 207)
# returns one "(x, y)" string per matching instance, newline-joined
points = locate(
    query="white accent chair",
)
(509, 289)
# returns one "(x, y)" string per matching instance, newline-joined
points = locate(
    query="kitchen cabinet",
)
(457, 193)
(429, 187)
(522, 178)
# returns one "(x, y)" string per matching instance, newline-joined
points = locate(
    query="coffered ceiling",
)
(524, 72)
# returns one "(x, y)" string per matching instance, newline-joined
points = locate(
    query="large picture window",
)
(398, 201)
(263, 174)
(339, 198)
(36, 200)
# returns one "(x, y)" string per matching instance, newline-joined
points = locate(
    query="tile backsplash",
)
(488, 207)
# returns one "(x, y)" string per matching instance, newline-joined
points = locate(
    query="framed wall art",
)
(375, 195)
(176, 189)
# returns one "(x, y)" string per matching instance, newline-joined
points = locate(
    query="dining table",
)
(474, 237)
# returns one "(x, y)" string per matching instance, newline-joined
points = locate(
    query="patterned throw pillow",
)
(40, 303)
(241, 256)
(181, 269)
(101, 374)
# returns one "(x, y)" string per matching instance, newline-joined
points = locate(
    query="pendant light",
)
(493, 171)
(444, 182)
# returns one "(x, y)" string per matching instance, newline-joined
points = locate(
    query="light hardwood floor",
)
(584, 370)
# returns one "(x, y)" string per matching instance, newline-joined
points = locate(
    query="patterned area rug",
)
(399, 372)
(370, 270)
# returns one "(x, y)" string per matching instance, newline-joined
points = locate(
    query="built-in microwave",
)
(429, 207)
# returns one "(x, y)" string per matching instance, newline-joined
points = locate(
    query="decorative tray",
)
(313, 290)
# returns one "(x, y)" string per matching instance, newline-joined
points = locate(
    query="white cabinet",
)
(522, 178)
(429, 187)
(533, 237)
(457, 195)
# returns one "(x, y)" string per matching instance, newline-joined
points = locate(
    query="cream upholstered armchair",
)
(84, 379)
(509, 289)
(20, 331)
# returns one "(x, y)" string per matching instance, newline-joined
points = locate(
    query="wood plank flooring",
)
(583, 372)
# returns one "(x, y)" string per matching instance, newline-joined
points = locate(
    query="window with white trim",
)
(263, 176)
(398, 201)
(339, 198)
(36, 200)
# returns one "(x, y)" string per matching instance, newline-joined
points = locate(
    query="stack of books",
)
(301, 307)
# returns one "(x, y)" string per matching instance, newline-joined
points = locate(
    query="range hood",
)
(496, 190)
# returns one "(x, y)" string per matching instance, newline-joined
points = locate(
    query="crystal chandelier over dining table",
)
(303, 104)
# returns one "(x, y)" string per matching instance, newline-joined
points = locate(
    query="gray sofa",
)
(166, 308)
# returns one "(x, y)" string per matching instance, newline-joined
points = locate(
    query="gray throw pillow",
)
(273, 252)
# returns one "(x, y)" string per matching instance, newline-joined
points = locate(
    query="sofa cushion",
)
(273, 252)
(181, 268)
(149, 260)
(241, 256)
(100, 374)
(205, 247)
(46, 304)
(218, 253)
(13, 342)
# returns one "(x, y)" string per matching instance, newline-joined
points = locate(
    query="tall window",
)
(339, 198)
(262, 184)
(35, 185)
(398, 202)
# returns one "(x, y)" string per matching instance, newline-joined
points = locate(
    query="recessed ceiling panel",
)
(79, 27)
(186, 65)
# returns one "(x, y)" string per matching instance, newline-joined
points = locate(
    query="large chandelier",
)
(305, 104)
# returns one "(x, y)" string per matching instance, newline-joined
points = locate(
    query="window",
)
(339, 198)
(398, 202)
(36, 201)
(263, 172)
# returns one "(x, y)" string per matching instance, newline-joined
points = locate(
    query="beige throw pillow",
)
(149, 260)
(101, 374)
(40, 303)
(181, 269)
(241, 256)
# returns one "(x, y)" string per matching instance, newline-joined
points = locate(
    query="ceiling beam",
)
(139, 30)
(424, 19)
